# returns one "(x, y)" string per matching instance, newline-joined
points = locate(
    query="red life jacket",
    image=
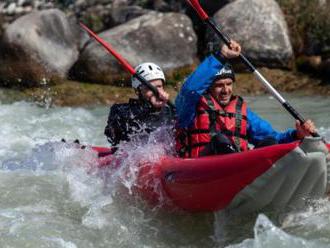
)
(211, 118)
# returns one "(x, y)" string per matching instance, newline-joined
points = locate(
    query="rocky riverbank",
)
(45, 54)
(73, 93)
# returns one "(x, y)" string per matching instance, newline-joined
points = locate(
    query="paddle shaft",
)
(259, 76)
(124, 63)
(211, 23)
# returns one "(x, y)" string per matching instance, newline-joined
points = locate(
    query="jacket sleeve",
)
(193, 88)
(259, 129)
(113, 130)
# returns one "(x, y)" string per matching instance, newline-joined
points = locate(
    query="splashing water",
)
(143, 150)
(325, 132)
(51, 156)
(313, 223)
(52, 194)
(267, 235)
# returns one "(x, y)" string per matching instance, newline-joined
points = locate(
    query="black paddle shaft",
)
(249, 65)
(152, 88)
(225, 38)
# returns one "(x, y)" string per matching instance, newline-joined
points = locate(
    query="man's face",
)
(149, 96)
(222, 90)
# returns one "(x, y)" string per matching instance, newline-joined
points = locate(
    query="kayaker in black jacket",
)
(143, 114)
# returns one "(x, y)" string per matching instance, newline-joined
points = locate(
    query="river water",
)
(52, 196)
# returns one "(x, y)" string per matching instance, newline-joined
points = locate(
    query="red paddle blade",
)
(195, 4)
(110, 49)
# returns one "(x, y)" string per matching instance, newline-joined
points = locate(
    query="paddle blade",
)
(123, 62)
(109, 48)
(196, 5)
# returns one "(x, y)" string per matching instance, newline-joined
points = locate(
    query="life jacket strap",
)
(238, 124)
(222, 113)
(225, 132)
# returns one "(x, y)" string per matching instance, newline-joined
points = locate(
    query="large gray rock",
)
(165, 39)
(259, 26)
(211, 6)
(122, 14)
(39, 45)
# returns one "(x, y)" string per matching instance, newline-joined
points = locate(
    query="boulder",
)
(122, 14)
(101, 17)
(165, 39)
(211, 6)
(259, 26)
(38, 46)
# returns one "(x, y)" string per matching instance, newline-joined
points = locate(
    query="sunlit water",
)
(51, 194)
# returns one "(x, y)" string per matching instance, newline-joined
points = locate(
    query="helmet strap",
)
(138, 92)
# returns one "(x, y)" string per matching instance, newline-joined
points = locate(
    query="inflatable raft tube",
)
(274, 177)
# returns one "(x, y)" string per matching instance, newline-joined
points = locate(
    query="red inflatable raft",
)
(273, 177)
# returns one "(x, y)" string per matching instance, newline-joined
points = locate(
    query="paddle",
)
(124, 63)
(211, 23)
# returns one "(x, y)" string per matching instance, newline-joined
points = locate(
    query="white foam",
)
(267, 235)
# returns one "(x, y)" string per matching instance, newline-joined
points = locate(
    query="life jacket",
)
(211, 118)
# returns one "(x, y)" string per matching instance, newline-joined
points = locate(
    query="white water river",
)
(50, 195)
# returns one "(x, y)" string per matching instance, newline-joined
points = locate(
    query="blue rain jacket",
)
(194, 87)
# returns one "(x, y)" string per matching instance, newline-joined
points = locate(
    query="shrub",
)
(309, 25)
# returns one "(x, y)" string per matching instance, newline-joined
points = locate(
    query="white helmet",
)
(149, 71)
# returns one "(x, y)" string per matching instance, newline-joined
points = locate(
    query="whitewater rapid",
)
(51, 195)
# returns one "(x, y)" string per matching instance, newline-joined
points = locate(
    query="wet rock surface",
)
(38, 49)
(165, 39)
(38, 46)
(260, 29)
(73, 93)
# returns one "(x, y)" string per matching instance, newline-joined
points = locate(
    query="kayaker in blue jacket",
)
(212, 120)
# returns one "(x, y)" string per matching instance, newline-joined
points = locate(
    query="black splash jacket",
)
(133, 117)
